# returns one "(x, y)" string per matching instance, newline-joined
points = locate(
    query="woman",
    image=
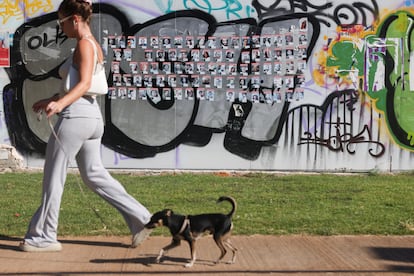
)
(76, 108)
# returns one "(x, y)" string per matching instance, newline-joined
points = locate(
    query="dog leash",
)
(105, 226)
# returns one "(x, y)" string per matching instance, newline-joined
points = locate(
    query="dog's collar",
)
(185, 224)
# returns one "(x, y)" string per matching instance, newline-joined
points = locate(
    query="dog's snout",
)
(150, 225)
(154, 224)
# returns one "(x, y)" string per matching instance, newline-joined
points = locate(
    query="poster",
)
(4, 49)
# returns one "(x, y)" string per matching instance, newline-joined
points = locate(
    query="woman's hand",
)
(40, 106)
(49, 105)
(53, 108)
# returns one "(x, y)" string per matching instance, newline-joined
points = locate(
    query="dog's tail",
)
(232, 202)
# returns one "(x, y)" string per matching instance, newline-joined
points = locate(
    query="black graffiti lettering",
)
(60, 36)
(34, 42)
(344, 140)
(352, 101)
(329, 13)
(45, 41)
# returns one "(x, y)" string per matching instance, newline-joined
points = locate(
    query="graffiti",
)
(32, 7)
(398, 109)
(409, 3)
(14, 9)
(119, 157)
(233, 9)
(9, 9)
(345, 91)
(198, 114)
(341, 141)
(37, 41)
(331, 125)
(330, 13)
(382, 73)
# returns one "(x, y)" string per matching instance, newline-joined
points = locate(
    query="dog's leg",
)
(174, 243)
(223, 242)
(158, 260)
(233, 249)
(193, 253)
(219, 241)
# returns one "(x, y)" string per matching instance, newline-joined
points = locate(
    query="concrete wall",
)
(317, 85)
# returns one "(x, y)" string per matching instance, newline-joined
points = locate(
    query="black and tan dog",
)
(190, 228)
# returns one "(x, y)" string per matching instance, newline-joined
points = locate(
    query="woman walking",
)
(77, 134)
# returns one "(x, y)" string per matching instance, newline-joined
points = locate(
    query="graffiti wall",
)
(238, 85)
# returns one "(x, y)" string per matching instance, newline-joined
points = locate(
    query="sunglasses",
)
(61, 21)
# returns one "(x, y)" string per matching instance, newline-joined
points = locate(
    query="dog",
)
(192, 227)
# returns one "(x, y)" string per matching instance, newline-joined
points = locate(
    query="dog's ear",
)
(169, 212)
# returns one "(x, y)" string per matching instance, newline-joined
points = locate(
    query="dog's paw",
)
(188, 265)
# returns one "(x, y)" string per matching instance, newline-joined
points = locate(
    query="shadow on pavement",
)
(397, 254)
(96, 243)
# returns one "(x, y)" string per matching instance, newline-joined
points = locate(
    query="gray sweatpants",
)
(80, 137)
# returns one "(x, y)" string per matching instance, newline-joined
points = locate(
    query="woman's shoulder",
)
(86, 43)
(89, 45)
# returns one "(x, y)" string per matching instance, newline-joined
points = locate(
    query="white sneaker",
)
(53, 247)
(140, 237)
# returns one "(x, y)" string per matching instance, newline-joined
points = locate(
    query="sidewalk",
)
(257, 255)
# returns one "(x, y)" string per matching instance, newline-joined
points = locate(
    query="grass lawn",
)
(314, 204)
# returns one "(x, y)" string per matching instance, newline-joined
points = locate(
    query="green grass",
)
(267, 204)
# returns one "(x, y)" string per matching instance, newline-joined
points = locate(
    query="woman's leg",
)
(98, 179)
(42, 230)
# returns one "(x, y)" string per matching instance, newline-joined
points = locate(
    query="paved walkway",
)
(257, 255)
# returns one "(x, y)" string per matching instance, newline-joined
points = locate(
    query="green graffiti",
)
(383, 63)
(376, 64)
(401, 29)
(341, 55)
(346, 57)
